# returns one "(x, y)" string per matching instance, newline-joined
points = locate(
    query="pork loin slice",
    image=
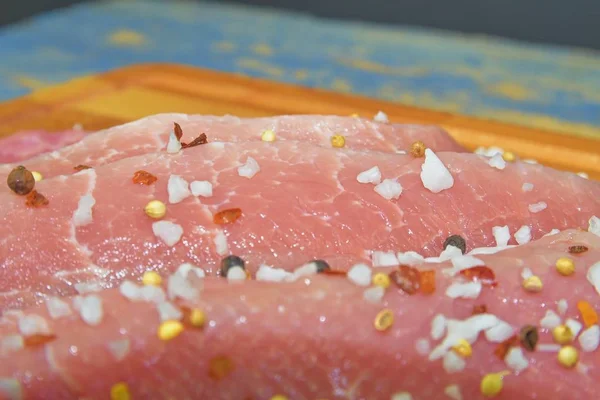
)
(304, 202)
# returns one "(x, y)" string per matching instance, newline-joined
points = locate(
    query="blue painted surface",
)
(535, 85)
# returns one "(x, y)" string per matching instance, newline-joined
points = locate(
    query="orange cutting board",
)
(112, 98)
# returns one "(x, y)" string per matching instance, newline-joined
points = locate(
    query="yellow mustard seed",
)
(562, 334)
(568, 356)
(151, 278)
(381, 279)
(509, 156)
(417, 149)
(120, 391)
(565, 266)
(384, 320)
(268, 136)
(533, 284)
(463, 348)
(155, 209)
(197, 318)
(338, 141)
(37, 176)
(169, 330)
(491, 384)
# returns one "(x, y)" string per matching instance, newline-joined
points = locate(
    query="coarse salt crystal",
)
(548, 347)
(167, 311)
(537, 207)
(550, 320)
(422, 346)
(57, 308)
(526, 273)
(381, 117)
(11, 343)
(33, 324)
(221, 245)
(201, 188)
(151, 293)
(374, 294)
(467, 290)
(594, 225)
(384, 259)
(515, 359)
(360, 274)
(574, 325)
(499, 333)
(410, 258)
(236, 274)
(119, 348)
(130, 290)
(185, 268)
(307, 269)
(174, 144)
(83, 214)
(527, 187)
(552, 232)
(434, 174)
(590, 338)
(468, 329)
(453, 363)
(401, 396)
(180, 287)
(90, 310)
(583, 175)
(562, 306)
(11, 388)
(489, 151)
(453, 392)
(438, 327)
(389, 189)
(249, 169)
(178, 189)
(497, 162)
(593, 276)
(167, 231)
(448, 253)
(267, 273)
(523, 235)
(501, 235)
(461, 262)
(88, 287)
(372, 175)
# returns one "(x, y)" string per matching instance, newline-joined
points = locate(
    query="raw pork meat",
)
(27, 144)
(316, 338)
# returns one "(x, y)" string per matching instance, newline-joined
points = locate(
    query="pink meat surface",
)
(151, 134)
(315, 338)
(304, 203)
(27, 144)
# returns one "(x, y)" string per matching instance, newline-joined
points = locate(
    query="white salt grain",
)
(185, 268)
(526, 273)
(201, 188)
(594, 225)
(453, 363)
(119, 348)
(130, 290)
(167, 231)
(590, 338)
(468, 329)
(249, 169)
(83, 214)
(360, 274)
(410, 258)
(467, 290)
(174, 144)
(221, 245)
(57, 308)
(372, 175)
(384, 259)
(438, 327)
(574, 325)
(515, 359)
(151, 293)
(523, 235)
(178, 189)
(180, 287)
(88, 287)
(501, 235)
(537, 207)
(374, 294)
(11, 343)
(389, 189)
(527, 187)
(499, 333)
(167, 311)
(422, 346)
(91, 310)
(593, 276)
(381, 117)
(267, 273)
(307, 269)
(33, 324)
(497, 162)
(236, 274)
(550, 320)
(552, 232)
(434, 174)
(562, 306)
(453, 392)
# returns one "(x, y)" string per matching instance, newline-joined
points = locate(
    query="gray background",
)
(574, 22)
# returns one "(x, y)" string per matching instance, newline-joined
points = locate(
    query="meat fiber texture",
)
(74, 318)
(27, 144)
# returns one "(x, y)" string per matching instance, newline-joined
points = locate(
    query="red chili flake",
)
(35, 199)
(503, 348)
(480, 273)
(196, 142)
(427, 281)
(39, 339)
(333, 272)
(220, 367)
(228, 216)
(578, 249)
(406, 278)
(479, 309)
(144, 178)
(178, 131)
(81, 167)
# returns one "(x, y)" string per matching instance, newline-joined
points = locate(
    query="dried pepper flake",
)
(480, 273)
(333, 272)
(228, 216)
(588, 314)
(38, 339)
(35, 199)
(196, 142)
(529, 336)
(578, 249)
(503, 348)
(220, 367)
(479, 309)
(407, 278)
(427, 281)
(178, 131)
(143, 178)
(81, 167)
